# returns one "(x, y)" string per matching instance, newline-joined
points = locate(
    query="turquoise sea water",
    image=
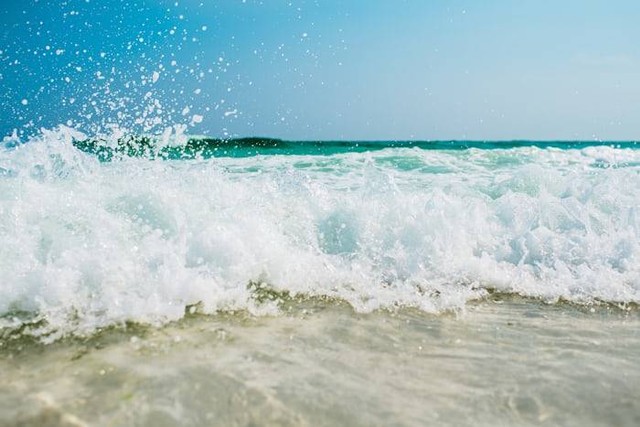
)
(102, 231)
(202, 147)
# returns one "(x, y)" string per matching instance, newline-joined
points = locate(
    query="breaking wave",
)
(88, 243)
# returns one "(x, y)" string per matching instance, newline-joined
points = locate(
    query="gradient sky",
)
(325, 69)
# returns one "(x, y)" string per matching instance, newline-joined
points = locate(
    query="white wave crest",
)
(88, 244)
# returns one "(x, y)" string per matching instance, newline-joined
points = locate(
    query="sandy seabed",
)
(504, 361)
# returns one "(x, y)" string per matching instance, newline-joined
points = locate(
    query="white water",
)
(87, 244)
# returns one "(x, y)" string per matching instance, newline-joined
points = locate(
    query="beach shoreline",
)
(500, 361)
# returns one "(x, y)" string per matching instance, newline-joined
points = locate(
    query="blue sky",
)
(412, 69)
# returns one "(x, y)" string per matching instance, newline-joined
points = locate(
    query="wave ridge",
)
(87, 244)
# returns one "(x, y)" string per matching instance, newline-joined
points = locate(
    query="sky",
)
(324, 69)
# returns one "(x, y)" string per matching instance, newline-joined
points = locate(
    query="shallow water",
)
(499, 363)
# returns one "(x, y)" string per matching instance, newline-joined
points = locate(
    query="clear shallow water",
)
(89, 243)
(502, 362)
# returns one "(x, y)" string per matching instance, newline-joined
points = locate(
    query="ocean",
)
(195, 281)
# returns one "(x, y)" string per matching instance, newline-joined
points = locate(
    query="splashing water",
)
(88, 243)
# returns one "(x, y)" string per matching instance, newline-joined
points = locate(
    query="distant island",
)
(205, 147)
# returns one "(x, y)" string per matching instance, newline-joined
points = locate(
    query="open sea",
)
(193, 281)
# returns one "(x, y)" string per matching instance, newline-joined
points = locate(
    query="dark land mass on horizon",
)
(205, 147)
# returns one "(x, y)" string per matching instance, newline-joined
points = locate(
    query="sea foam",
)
(87, 244)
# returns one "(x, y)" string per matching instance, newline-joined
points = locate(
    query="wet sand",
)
(502, 362)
